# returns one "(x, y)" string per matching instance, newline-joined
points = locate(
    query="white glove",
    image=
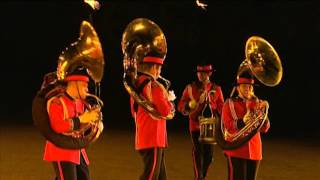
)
(171, 95)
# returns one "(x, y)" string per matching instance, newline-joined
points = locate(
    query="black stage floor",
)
(113, 157)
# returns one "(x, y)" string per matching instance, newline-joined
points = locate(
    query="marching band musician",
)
(243, 162)
(151, 132)
(192, 103)
(67, 114)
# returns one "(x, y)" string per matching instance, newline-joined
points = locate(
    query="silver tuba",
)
(141, 37)
(264, 63)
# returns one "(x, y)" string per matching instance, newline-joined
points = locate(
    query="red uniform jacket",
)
(151, 132)
(193, 92)
(61, 122)
(251, 149)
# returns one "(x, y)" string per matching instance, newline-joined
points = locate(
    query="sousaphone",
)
(264, 63)
(140, 38)
(85, 52)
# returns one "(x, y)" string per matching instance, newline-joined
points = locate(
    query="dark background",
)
(34, 33)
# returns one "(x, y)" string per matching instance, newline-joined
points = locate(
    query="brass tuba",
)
(87, 53)
(264, 63)
(141, 37)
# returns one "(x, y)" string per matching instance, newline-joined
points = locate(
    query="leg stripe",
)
(60, 171)
(154, 164)
(195, 164)
(230, 168)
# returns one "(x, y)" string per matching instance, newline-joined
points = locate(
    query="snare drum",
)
(207, 130)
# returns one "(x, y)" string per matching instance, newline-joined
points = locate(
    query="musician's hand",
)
(171, 95)
(89, 116)
(262, 104)
(260, 107)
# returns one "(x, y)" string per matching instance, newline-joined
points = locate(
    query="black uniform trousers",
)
(154, 164)
(71, 171)
(202, 156)
(242, 169)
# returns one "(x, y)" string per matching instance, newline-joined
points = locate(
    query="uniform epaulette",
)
(236, 98)
(56, 100)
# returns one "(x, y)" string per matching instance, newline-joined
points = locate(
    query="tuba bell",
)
(264, 63)
(141, 37)
(86, 53)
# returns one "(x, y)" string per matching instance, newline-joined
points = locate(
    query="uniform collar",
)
(147, 74)
(69, 97)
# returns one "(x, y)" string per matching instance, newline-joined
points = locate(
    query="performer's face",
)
(83, 89)
(203, 76)
(245, 91)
